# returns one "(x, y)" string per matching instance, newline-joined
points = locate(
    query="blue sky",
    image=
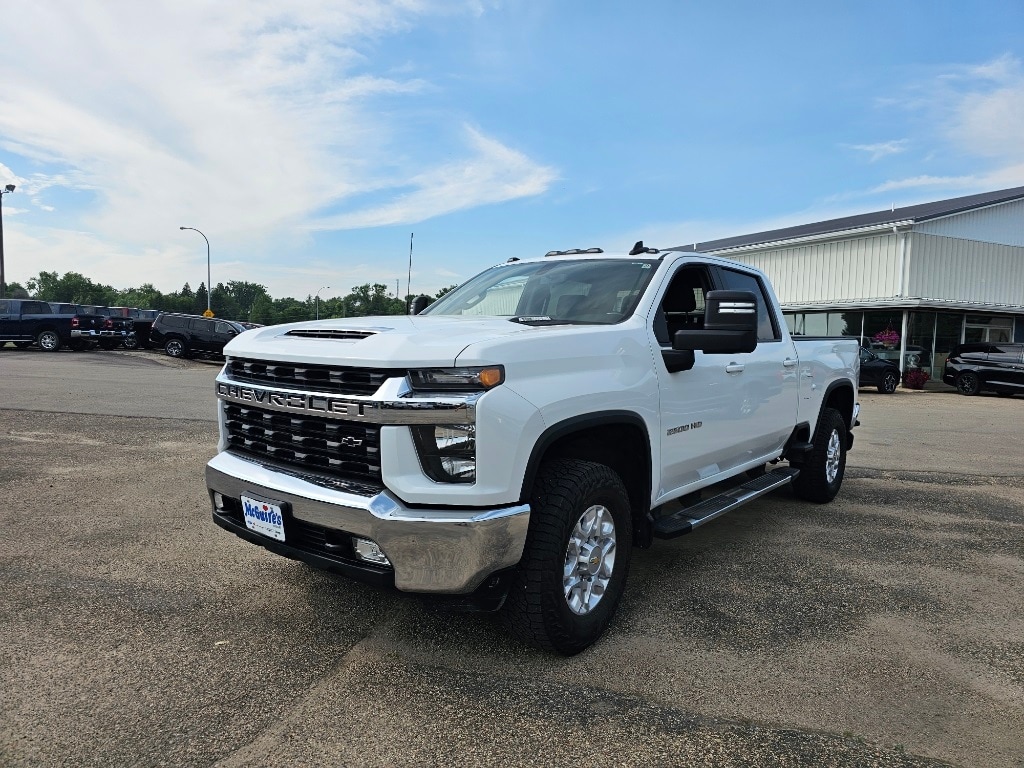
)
(308, 139)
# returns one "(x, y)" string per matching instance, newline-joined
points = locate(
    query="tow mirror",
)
(419, 304)
(730, 325)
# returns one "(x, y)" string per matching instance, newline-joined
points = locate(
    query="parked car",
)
(187, 335)
(876, 372)
(986, 366)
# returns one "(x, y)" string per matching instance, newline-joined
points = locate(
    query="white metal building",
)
(936, 274)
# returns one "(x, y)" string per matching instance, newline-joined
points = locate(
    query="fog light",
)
(368, 550)
(218, 501)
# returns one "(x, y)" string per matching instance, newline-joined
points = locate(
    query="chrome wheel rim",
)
(832, 454)
(589, 560)
(889, 383)
(48, 341)
(174, 348)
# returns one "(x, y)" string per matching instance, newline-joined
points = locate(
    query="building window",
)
(992, 328)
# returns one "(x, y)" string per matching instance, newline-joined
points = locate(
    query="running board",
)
(688, 518)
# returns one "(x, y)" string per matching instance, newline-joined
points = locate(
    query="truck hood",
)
(389, 341)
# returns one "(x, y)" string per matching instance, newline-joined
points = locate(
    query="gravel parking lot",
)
(884, 629)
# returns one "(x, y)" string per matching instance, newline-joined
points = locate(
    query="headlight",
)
(456, 379)
(447, 452)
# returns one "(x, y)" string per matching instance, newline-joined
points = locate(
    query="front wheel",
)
(175, 348)
(48, 341)
(888, 383)
(131, 341)
(821, 475)
(968, 383)
(574, 565)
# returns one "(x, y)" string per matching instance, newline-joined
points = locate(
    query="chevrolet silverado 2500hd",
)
(509, 446)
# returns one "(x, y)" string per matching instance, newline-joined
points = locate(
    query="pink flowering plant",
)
(888, 337)
(915, 378)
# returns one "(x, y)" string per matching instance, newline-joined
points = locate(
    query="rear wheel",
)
(888, 383)
(576, 558)
(175, 347)
(968, 383)
(131, 342)
(48, 341)
(821, 475)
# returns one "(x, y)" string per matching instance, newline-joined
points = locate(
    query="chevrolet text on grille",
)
(454, 410)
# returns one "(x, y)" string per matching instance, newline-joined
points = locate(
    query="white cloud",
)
(245, 120)
(975, 119)
(882, 149)
(493, 174)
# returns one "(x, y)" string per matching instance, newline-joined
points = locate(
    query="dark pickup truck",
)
(116, 327)
(142, 322)
(27, 322)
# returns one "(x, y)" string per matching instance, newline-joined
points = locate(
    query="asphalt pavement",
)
(884, 629)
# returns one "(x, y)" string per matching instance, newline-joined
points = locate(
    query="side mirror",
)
(419, 304)
(730, 325)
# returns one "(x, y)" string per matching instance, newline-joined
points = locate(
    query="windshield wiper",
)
(538, 320)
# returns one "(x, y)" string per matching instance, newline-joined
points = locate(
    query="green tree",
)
(244, 295)
(262, 311)
(15, 291)
(199, 300)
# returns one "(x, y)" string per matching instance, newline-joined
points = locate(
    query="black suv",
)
(186, 335)
(986, 366)
(877, 372)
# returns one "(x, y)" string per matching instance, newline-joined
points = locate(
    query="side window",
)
(1005, 353)
(743, 281)
(5, 307)
(224, 328)
(682, 306)
(35, 308)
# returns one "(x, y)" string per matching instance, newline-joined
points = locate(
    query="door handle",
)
(789, 362)
(734, 368)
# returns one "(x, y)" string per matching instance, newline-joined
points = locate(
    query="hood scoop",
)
(336, 334)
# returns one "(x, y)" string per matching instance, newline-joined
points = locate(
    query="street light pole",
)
(209, 289)
(317, 301)
(3, 285)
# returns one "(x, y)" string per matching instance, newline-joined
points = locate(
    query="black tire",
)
(821, 475)
(968, 383)
(23, 344)
(49, 341)
(890, 380)
(567, 497)
(175, 348)
(131, 341)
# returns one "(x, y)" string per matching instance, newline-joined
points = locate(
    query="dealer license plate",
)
(263, 517)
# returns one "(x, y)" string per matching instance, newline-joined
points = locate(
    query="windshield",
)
(547, 292)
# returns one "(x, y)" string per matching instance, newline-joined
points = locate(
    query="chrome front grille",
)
(336, 448)
(332, 379)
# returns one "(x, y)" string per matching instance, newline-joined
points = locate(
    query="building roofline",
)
(861, 223)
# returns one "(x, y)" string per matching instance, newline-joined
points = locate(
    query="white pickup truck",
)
(510, 445)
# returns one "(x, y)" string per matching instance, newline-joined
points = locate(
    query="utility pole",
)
(408, 282)
(3, 285)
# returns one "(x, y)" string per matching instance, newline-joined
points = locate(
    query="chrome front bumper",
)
(440, 551)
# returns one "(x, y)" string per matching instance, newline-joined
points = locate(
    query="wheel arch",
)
(841, 396)
(617, 439)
